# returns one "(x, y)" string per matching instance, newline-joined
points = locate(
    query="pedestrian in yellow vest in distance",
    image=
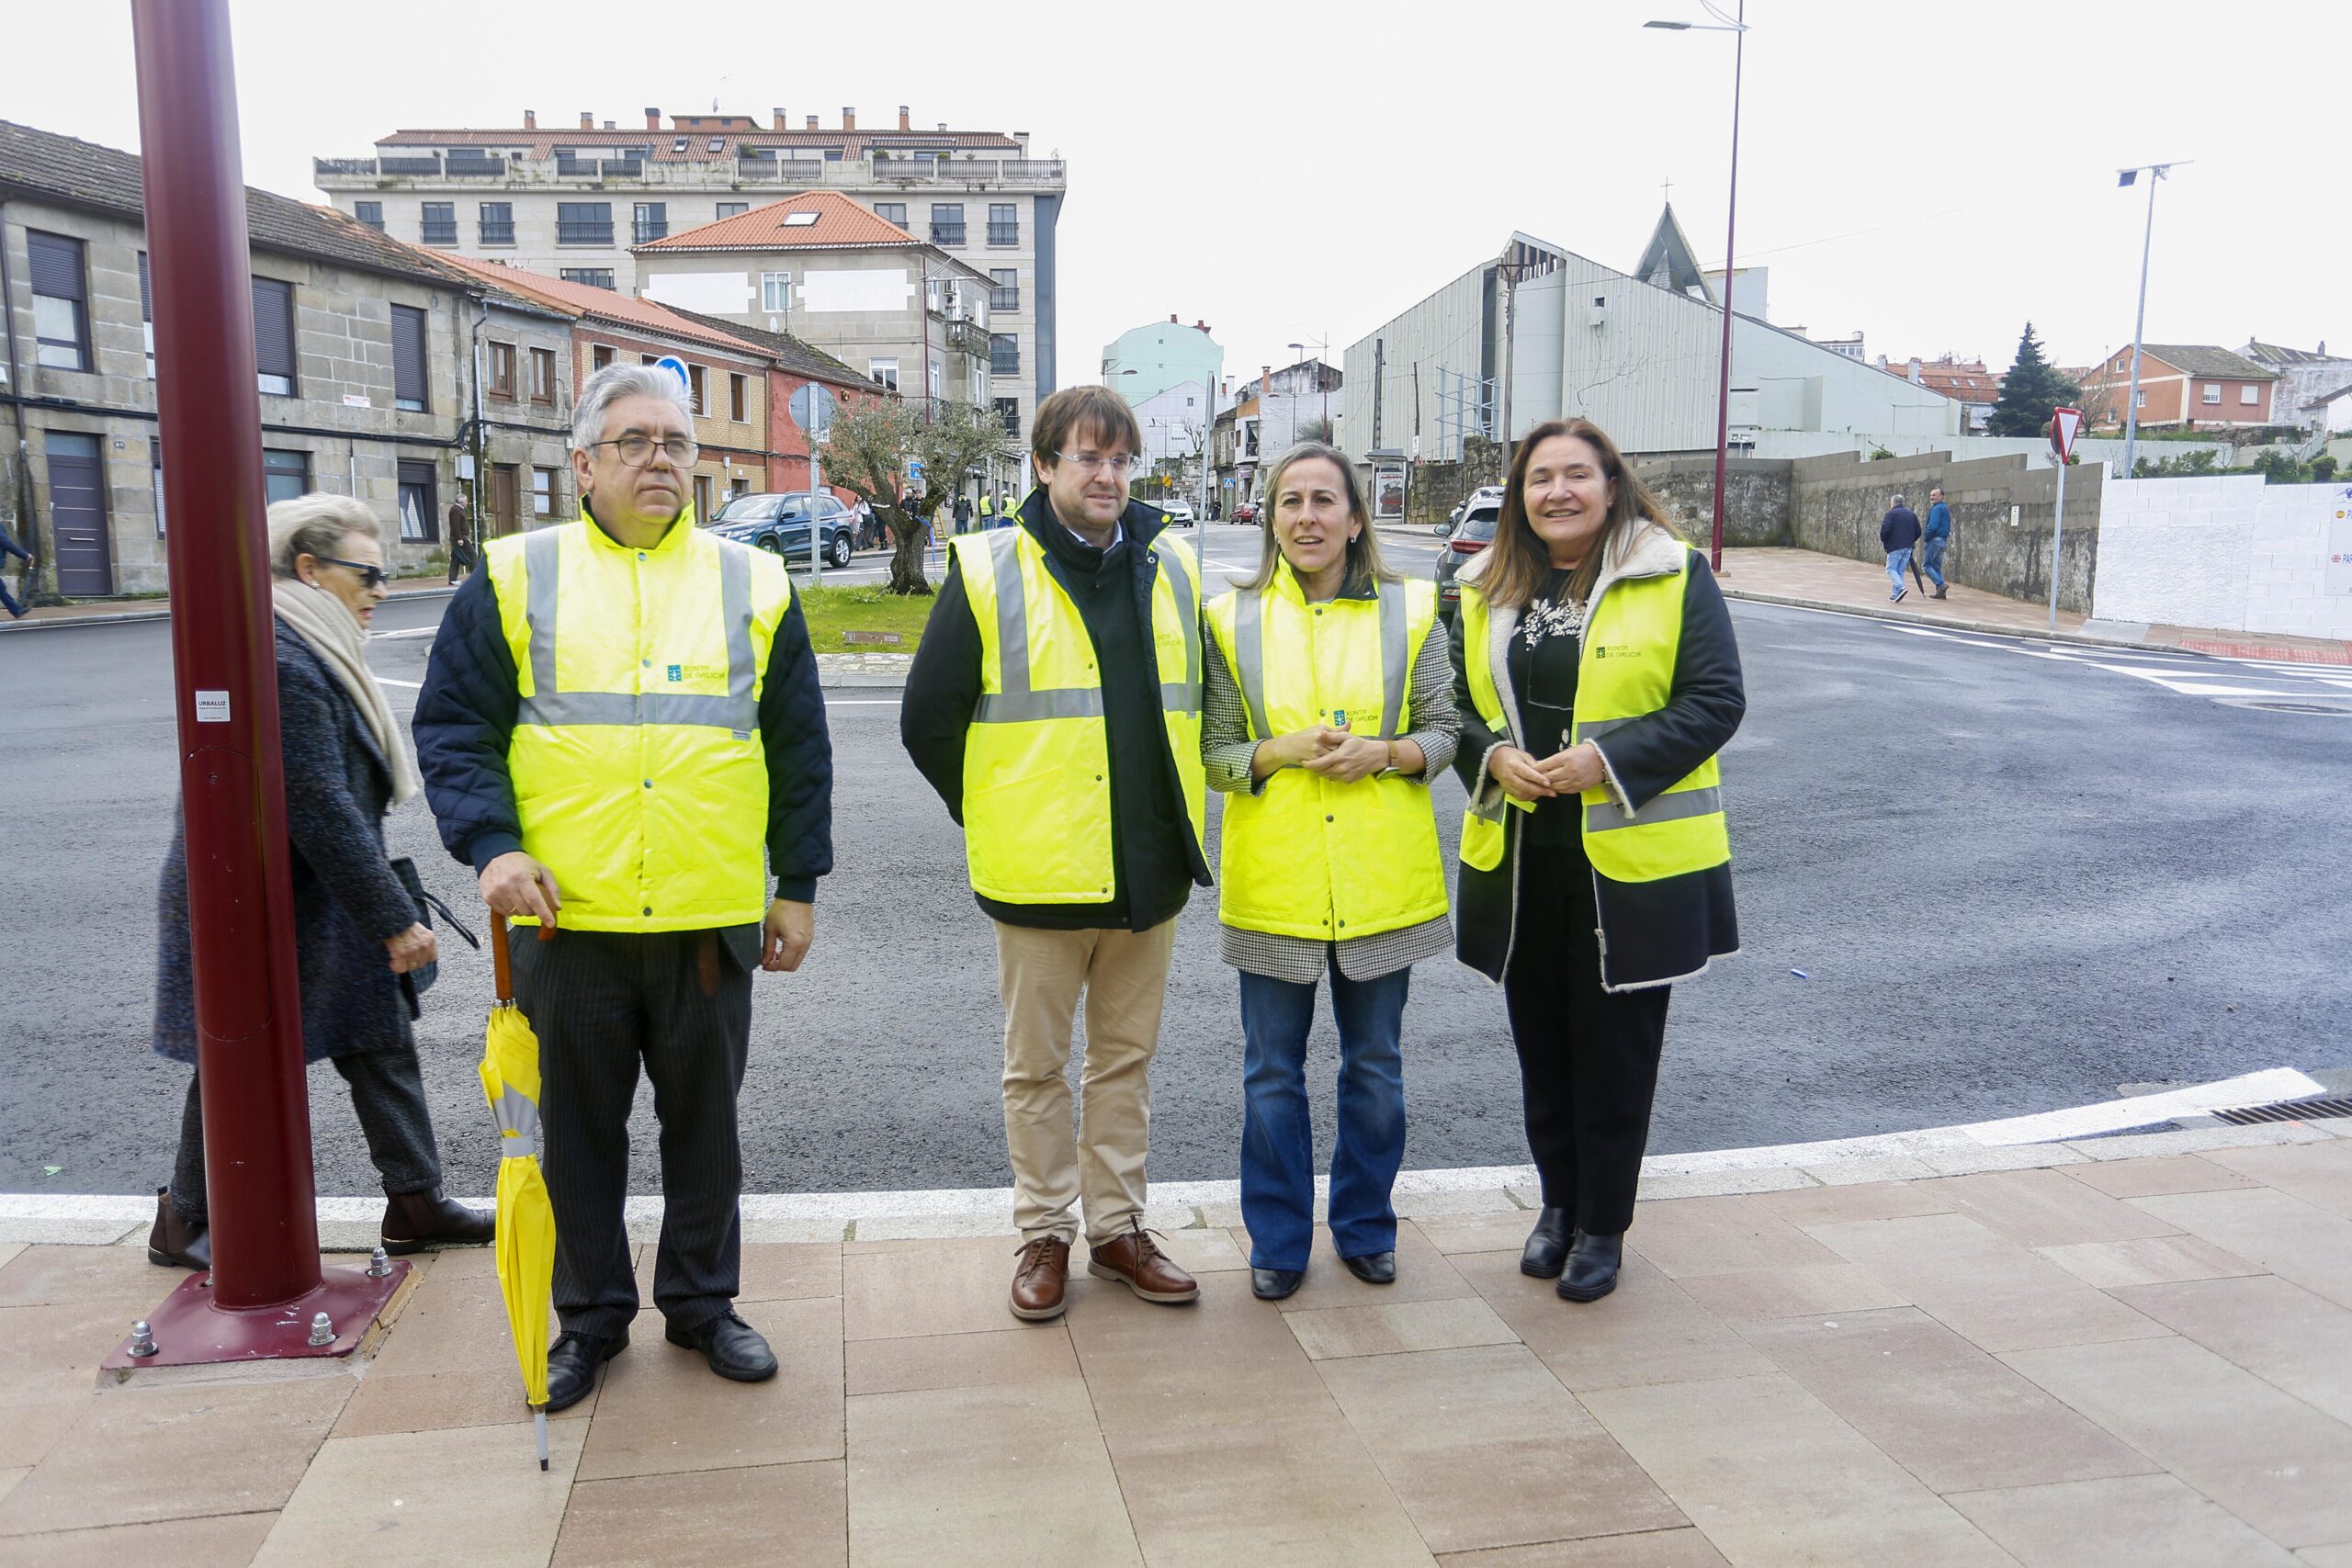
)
(1598, 677)
(621, 731)
(1055, 705)
(1330, 704)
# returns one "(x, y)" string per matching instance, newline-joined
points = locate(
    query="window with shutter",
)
(61, 301)
(274, 335)
(502, 370)
(543, 376)
(408, 360)
(737, 400)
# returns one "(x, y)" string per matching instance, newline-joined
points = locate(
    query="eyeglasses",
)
(637, 450)
(370, 576)
(1115, 467)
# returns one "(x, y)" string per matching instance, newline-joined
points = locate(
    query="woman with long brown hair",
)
(1597, 677)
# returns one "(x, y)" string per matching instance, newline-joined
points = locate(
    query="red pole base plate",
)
(190, 1330)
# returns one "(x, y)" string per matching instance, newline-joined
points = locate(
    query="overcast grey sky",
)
(1931, 175)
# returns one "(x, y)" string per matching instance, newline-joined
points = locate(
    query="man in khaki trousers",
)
(1054, 703)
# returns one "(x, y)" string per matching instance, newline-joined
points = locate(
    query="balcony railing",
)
(477, 168)
(599, 168)
(584, 233)
(426, 165)
(1004, 234)
(345, 168)
(968, 338)
(947, 234)
(496, 234)
(438, 234)
(650, 229)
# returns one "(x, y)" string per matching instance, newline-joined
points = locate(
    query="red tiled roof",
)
(840, 222)
(587, 299)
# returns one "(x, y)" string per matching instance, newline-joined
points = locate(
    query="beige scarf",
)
(336, 634)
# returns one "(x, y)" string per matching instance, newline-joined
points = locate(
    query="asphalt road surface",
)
(2013, 880)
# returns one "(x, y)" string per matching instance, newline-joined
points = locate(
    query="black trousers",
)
(1587, 1058)
(387, 1091)
(601, 1002)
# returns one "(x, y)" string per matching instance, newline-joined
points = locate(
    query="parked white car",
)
(1177, 512)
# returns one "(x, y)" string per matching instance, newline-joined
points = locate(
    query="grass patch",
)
(832, 611)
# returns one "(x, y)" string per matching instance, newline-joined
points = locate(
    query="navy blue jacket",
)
(465, 722)
(1900, 531)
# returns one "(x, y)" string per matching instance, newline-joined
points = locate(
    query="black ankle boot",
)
(414, 1221)
(1547, 1246)
(1592, 1267)
(176, 1242)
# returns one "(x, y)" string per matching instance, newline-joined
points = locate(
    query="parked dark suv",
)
(1473, 534)
(779, 523)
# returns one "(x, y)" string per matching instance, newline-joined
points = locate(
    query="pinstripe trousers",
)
(601, 1002)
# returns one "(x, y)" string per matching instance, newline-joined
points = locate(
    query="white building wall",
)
(1443, 332)
(2233, 553)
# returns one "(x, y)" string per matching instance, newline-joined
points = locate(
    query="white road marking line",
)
(388, 680)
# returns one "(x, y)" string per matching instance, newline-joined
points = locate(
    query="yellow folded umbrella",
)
(525, 1245)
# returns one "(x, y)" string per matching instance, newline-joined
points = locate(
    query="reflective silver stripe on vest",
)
(1588, 728)
(1186, 698)
(1018, 701)
(1675, 807)
(737, 710)
(1250, 653)
(518, 1122)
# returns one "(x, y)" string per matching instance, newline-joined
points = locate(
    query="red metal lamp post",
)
(266, 1296)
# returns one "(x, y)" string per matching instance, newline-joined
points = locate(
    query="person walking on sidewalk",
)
(620, 715)
(1330, 706)
(1055, 705)
(1935, 538)
(963, 512)
(8, 547)
(462, 558)
(1598, 677)
(359, 944)
(1898, 533)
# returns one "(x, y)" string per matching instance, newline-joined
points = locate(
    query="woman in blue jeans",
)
(1329, 707)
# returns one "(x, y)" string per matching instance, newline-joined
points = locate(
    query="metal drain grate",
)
(2316, 1109)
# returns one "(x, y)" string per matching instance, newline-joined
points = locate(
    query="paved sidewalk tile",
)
(2153, 1261)
(1030, 1353)
(2265, 1455)
(2293, 1239)
(1301, 1491)
(1811, 1290)
(223, 1540)
(207, 1449)
(1773, 1477)
(2157, 1176)
(1868, 1200)
(435, 1401)
(1719, 1236)
(1331, 1332)
(1015, 1474)
(1225, 1358)
(662, 1408)
(1943, 1409)
(476, 1496)
(2049, 1208)
(2138, 1521)
(1647, 1331)
(1504, 1230)
(1988, 1289)
(2320, 1174)
(1651, 1549)
(905, 1289)
(44, 1276)
(1423, 1274)
(772, 1271)
(783, 1516)
(2280, 1332)
(1485, 1447)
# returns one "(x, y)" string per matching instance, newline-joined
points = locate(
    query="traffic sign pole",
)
(2065, 424)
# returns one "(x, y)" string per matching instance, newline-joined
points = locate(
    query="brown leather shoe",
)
(176, 1241)
(1136, 1261)
(1040, 1279)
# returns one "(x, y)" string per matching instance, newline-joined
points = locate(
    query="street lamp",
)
(1735, 25)
(2131, 399)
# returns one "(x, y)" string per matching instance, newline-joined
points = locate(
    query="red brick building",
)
(2195, 386)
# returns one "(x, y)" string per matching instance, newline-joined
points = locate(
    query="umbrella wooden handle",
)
(502, 966)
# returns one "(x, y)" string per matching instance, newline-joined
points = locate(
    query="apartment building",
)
(575, 200)
(2193, 385)
(365, 354)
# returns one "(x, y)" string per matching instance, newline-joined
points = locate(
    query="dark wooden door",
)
(502, 500)
(77, 516)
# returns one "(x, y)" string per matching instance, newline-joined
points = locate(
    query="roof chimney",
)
(608, 125)
(1201, 325)
(1916, 380)
(849, 120)
(942, 131)
(903, 123)
(812, 122)
(1173, 321)
(587, 120)
(652, 119)
(530, 120)
(777, 118)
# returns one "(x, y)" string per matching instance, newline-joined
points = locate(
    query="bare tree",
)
(871, 450)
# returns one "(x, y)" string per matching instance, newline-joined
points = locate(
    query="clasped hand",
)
(1334, 753)
(1571, 771)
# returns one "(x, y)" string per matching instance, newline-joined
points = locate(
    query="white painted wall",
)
(712, 293)
(2229, 553)
(822, 292)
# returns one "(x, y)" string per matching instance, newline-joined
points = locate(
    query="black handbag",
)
(418, 981)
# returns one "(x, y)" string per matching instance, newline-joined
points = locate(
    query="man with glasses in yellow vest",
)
(621, 731)
(1055, 705)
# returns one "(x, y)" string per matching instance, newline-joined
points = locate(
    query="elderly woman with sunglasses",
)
(359, 943)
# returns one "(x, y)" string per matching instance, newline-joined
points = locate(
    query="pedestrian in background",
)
(1329, 708)
(1898, 534)
(988, 511)
(1935, 538)
(461, 539)
(1598, 677)
(359, 940)
(963, 512)
(8, 547)
(1055, 705)
(622, 734)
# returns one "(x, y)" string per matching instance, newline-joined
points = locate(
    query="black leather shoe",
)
(1592, 1267)
(1373, 1268)
(1548, 1244)
(733, 1348)
(572, 1361)
(415, 1221)
(1274, 1284)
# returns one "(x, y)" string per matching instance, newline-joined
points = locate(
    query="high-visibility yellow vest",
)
(1625, 672)
(1309, 857)
(636, 759)
(1036, 761)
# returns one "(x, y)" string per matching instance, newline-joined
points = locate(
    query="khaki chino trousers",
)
(1124, 977)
